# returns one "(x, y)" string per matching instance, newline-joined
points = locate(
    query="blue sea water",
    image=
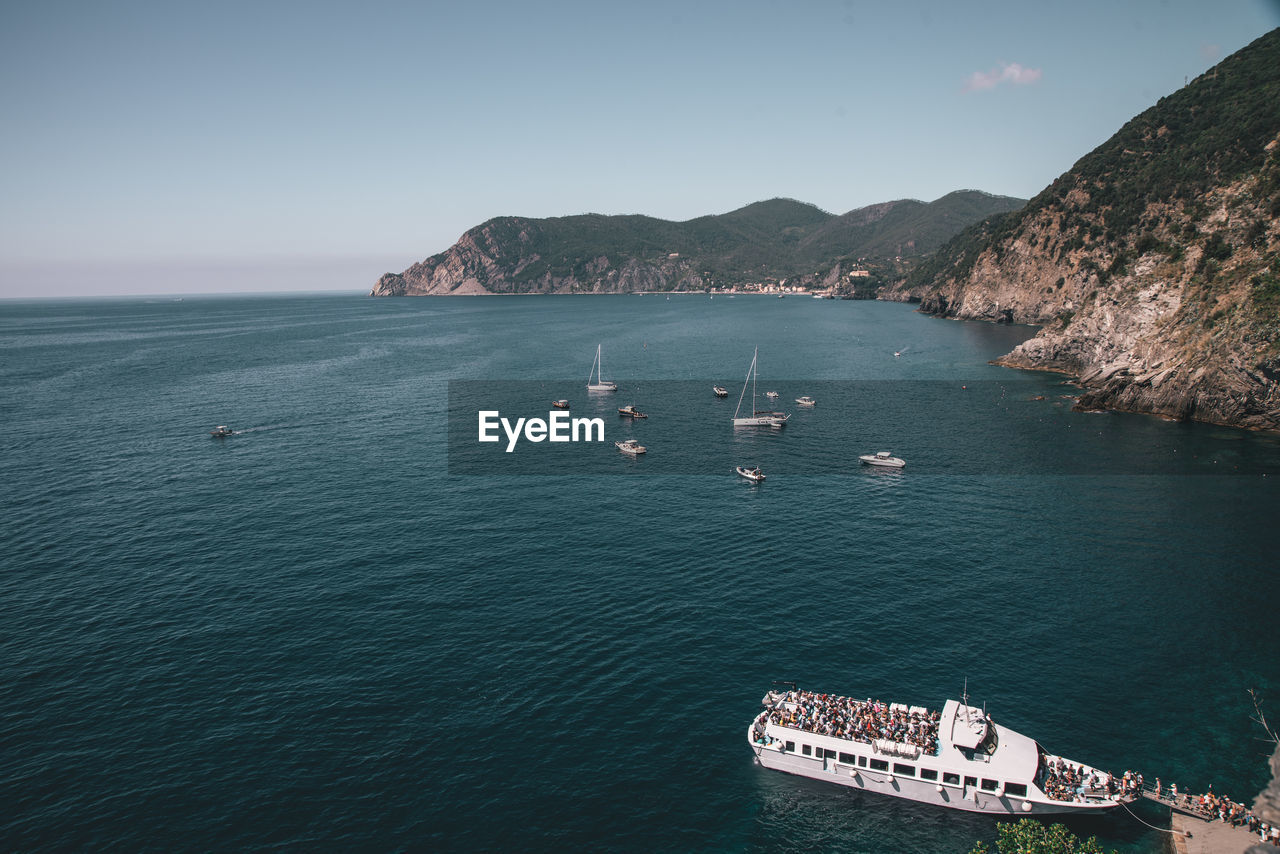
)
(318, 634)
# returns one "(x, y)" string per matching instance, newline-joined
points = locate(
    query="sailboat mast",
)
(750, 370)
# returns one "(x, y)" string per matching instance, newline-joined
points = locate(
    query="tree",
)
(1031, 837)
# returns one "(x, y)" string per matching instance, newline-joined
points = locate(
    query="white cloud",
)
(1008, 72)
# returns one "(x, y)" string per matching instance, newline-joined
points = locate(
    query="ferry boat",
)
(959, 758)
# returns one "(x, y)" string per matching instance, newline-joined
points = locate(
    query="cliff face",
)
(777, 239)
(1154, 264)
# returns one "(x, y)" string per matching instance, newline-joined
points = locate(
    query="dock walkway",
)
(1182, 804)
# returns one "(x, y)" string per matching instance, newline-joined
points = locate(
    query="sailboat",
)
(597, 370)
(758, 417)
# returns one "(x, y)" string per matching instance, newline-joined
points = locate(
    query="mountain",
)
(1153, 264)
(770, 240)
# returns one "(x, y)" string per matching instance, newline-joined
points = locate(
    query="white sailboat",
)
(758, 417)
(597, 370)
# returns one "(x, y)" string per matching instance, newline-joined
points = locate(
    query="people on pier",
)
(856, 720)
(1213, 807)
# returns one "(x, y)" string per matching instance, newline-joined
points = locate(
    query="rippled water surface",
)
(312, 635)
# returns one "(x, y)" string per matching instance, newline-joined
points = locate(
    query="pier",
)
(1200, 831)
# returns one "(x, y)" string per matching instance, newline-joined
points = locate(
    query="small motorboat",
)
(630, 447)
(221, 431)
(720, 391)
(883, 458)
(630, 411)
(772, 395)
(560, 404)
(752, 474)
(806, 401)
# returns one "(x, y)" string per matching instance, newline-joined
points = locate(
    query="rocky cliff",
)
(1154, 264)
(773, 240)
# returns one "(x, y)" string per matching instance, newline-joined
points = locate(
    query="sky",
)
(183, 147)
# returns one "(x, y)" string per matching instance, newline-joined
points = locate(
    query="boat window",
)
(953, 779)
(904, 770)
(847, 758)
(971, 781)
(828, 754)
(808, 751)
(862, 762)
(1015, 789)
(879, 765)
(791, 747)
(989, 785)
(928, 774)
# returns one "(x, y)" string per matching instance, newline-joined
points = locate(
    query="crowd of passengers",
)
(1211, 806)
(856, 720)
(1062, 781)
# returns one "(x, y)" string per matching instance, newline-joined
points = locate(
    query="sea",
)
(353, 626)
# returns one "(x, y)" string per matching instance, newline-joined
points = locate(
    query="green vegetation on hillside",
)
(775, 239)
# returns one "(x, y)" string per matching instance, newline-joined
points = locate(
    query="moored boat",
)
(597, 370)
(758, 417)
(958, 758)
(883, 458)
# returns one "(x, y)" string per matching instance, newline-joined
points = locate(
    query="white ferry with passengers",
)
(958, 758)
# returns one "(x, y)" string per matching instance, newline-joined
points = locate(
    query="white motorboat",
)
(630, 447)
(772, 395)
(221, 431)
(631, 411)
(720, 391)
(883, 458)
(560, 404)
(597, 370)
(806, 401)
(758, 417)
(752, 474)
(959, 758)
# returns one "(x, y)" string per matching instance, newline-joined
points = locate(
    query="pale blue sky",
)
(202, 147)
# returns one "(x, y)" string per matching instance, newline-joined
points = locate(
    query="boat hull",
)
(891, 463)
(920, 791)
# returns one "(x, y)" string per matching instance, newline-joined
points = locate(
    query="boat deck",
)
(868, 721)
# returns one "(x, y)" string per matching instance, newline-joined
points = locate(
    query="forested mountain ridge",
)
(765, 241)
